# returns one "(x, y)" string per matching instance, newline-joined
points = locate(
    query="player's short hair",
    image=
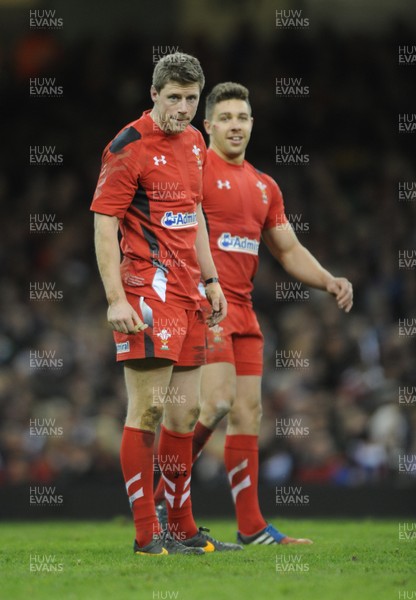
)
(178, 67)
(225, 91)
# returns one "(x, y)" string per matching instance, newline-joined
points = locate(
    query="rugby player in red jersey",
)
(243, 206)
(150, 189)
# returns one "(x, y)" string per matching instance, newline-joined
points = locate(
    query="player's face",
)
(230, 129)
(175, 106)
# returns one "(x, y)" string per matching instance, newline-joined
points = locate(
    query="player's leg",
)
(148, 370)
(137, 446)
(181, 410)
(175, 445)
(241, 453)
(218, 387)
(218, 392)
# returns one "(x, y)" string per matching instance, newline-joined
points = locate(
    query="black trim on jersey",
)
(151, 239)
(141, 201)
(127, 136)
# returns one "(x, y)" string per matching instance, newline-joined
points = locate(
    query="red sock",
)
(201, 436)
(175, 463)
(136, 456)
(241, 457)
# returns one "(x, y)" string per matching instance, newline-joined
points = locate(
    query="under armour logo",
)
(223, 184)
(161, 159)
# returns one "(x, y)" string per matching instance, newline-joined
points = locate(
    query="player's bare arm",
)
(121, 315)
(213, 290)
(302, 265)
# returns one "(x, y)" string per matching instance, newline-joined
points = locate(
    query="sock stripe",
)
(240, 486)
(237, 469)
(169, 482)
(132, 480)
(138, 494)
(184, 498)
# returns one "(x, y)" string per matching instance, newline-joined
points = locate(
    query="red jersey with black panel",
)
(152, 182)
(239, 202)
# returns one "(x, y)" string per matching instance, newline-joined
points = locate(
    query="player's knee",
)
(245, 415)
(184, 421)
(219, 404)
(151, 417)
(193, 417)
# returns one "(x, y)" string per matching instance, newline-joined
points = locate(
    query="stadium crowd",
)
(344, 412)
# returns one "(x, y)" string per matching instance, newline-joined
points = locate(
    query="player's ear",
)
(153, 93)
(207, 126)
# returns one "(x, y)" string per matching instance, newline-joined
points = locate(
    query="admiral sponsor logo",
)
(407, 55)
(179, 220)
(407, 191)
(407, 123)
(291, 19)
(291, 87)
(123, 347)
(407, 395)
(235, 243)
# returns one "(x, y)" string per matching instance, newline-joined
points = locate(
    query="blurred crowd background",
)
(348, 395)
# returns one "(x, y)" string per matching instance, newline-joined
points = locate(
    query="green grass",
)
(350, 560)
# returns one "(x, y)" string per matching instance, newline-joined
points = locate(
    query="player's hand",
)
(218, 303)
(123, 318)
(341, 288)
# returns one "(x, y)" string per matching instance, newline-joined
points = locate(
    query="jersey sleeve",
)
(276, 215)
(118, 180)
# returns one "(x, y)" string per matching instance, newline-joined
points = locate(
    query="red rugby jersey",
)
(152, 182)
(239, 202)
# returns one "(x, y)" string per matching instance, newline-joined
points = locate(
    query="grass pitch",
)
(349, 560)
